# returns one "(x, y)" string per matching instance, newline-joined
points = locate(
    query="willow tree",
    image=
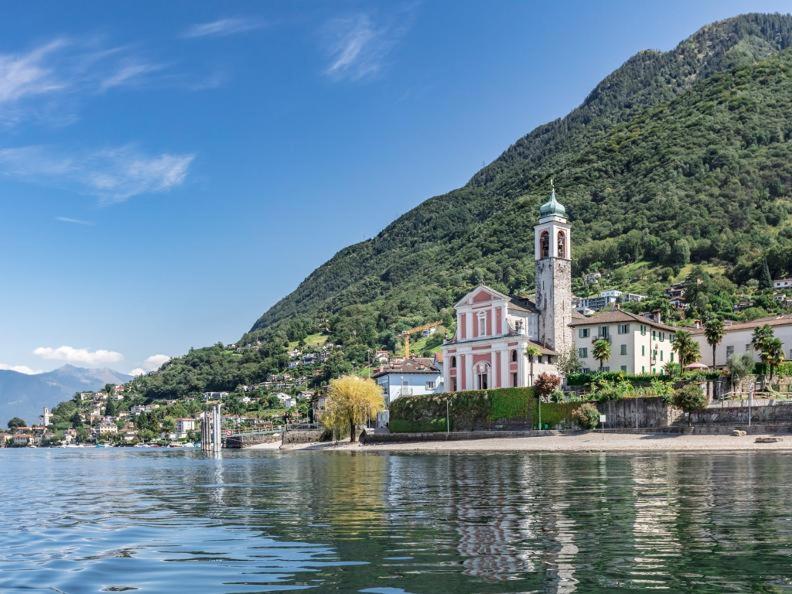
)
(351, 400)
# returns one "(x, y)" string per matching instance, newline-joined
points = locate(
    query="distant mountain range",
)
(24, 396)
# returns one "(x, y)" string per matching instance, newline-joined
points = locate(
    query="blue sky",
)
(168, 170)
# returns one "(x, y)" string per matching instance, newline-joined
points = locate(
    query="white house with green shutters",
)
(639, 345)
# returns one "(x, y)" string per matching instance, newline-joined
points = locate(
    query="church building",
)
(493, 329)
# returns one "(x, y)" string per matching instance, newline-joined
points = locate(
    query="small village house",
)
(737, 339)
(409, 377)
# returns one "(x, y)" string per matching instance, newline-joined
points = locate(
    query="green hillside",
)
(675, 159)
(676, 156)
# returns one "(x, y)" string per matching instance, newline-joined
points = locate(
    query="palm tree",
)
(532, 351)
(602, 351)
(686, 348)
(773, 355)
(760, 337)
(713, 331)
(761, 342)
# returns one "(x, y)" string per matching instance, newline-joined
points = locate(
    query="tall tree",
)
(713, 331)
(602, 351)
(765, 280)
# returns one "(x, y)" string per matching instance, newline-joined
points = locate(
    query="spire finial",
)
(552, 187)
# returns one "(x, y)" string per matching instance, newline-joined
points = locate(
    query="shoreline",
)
(585, 442)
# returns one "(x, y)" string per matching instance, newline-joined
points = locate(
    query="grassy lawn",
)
(711, 269)
(311, 340)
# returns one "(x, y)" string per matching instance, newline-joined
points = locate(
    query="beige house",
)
(737, 339)
(638, 344)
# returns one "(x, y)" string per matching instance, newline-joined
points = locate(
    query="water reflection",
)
(88, 521)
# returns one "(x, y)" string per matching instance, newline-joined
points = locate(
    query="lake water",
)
(92, 520)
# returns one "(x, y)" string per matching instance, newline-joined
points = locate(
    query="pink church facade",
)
(494, 330)
(488, 350)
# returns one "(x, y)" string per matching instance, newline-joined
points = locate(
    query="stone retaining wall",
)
(776, 413)
(637, 413)
(303, 436)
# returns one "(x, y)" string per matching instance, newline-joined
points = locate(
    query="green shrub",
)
(586, 416)
(690, 398)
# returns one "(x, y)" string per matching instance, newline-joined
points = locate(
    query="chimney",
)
(656, 316)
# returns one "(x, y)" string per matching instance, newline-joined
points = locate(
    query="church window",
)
(514, 379)
(514, 355)
(544, 245)
(453, 362)
(482, 324)
(561, 244)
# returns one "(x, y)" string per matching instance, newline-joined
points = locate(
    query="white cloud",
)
(48, 82)
(113, 174)
(129, 73)
(20, 368)
(72, 221)
(222, 27)
(155, 362)
(27, 74)
(83, 356)
(357, 47)
(151, 363)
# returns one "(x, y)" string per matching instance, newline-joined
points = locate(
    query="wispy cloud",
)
(46, 83)
(151, 363)
(20, 369)
(23, 75)
(222, 27)
(82, 356)
(72, 221)
(113, 174)
(129, 73)
(357, 47)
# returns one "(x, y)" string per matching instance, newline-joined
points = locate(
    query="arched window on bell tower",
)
(562, 252)
(544, 245)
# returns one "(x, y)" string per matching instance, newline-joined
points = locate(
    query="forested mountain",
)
(676, 158)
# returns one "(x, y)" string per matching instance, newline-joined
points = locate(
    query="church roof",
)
(552, 207)
(522, 304)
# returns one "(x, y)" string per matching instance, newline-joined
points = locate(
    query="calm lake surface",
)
(93, 520)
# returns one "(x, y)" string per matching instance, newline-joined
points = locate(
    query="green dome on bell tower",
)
(552, 207)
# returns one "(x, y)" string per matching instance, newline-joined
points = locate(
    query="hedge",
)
(477, 409)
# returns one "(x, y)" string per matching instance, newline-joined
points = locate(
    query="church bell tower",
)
(553, 254)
